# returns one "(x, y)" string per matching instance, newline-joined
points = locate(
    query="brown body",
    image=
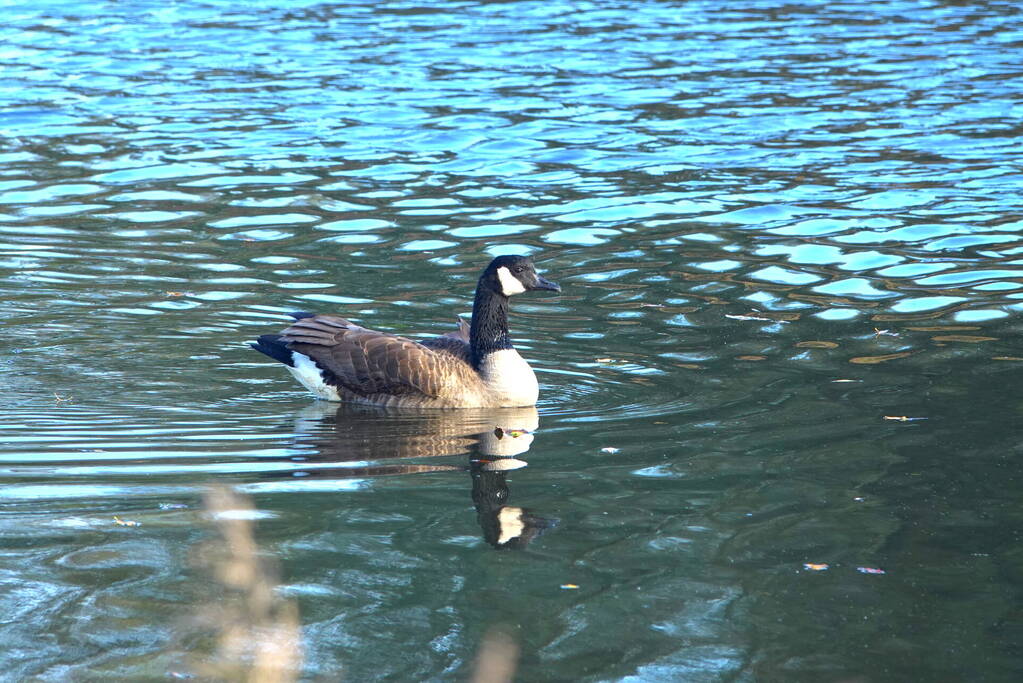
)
(366, 366)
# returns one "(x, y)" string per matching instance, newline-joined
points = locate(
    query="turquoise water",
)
(777, 228)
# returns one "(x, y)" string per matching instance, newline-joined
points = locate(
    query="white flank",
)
(509, 376)
(306, 372)
(509, 283)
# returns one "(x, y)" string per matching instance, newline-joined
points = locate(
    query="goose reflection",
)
(341, 441)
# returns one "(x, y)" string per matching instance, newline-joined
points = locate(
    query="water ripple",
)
(772, 228)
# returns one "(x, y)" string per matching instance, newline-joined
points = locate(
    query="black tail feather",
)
(271, 345)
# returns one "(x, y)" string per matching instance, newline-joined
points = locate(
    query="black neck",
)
(489, 329)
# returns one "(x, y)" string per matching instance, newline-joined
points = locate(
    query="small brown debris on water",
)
(872, 360)
(816, 345)
(966, 338)
(500, 432)
(125, 522)
(945, 328)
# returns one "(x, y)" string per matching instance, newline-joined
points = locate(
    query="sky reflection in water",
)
(775, 226)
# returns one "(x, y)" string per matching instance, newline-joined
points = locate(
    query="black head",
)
(510, 275)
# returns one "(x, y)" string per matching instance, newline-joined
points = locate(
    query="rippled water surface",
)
(778, 431)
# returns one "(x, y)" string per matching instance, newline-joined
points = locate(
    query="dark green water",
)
(774, 225)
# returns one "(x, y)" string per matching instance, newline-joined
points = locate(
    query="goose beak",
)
(541, 283)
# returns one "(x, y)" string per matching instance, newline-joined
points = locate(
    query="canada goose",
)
(474, 367)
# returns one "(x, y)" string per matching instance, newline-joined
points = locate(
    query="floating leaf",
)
(816, 345)
(815, 566)
(751, 358)
(962, 338)
(125, 522)
(946, 328)
(513, 433)
(871, 360)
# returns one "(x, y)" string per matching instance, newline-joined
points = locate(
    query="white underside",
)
(509, 377)
(306, 372)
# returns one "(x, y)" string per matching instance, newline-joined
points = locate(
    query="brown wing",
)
(368, 362)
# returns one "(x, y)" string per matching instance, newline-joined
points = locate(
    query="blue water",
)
(779, 229)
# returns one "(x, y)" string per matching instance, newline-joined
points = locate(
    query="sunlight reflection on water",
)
(774, 227)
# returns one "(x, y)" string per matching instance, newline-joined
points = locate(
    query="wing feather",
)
(367, 362)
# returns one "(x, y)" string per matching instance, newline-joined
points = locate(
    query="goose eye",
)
(519, 269)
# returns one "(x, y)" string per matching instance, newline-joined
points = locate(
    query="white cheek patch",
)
(509, 283)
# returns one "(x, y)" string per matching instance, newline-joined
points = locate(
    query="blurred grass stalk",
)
(256, 634)
(497, 658)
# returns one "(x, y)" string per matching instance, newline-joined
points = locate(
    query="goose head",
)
(509, 275)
